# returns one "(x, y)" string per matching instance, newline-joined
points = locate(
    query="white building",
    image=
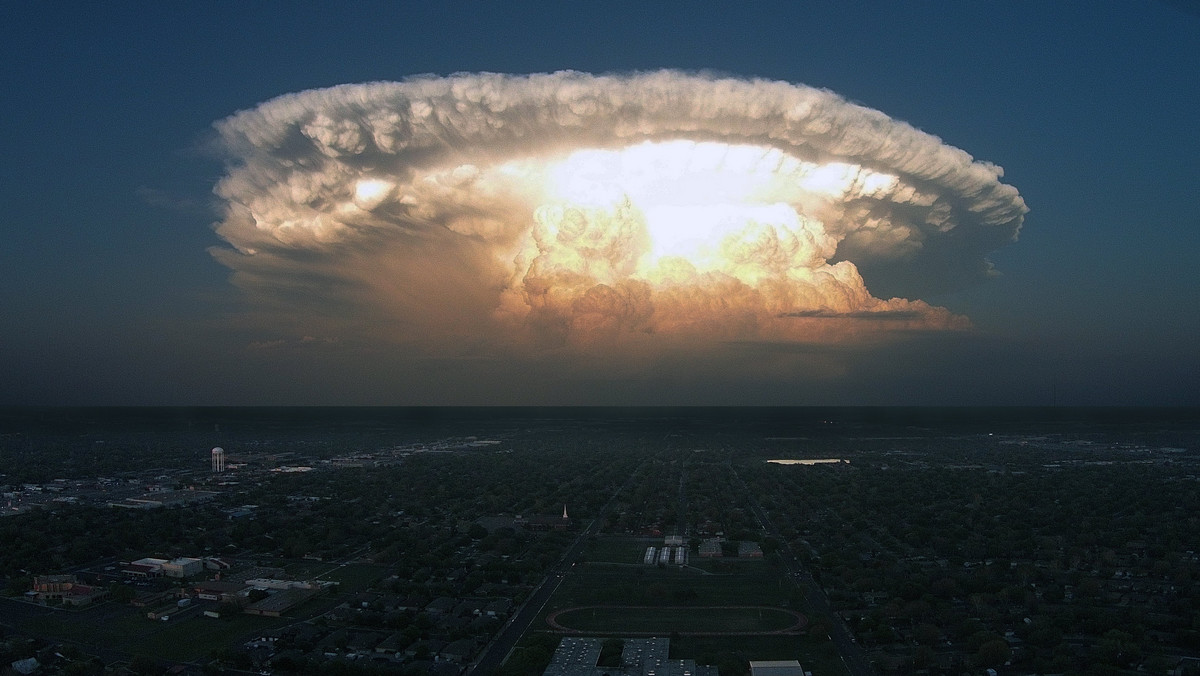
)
(182, 567)
(270, 583)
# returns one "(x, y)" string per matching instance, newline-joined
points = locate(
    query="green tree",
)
(144, 666)
(121, 593)
(1118, 648)
(18, 585)
(993, 653)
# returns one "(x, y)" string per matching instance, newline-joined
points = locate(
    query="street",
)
(497, 651)
(852, 655)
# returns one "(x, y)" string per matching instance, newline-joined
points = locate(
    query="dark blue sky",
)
(110, 295)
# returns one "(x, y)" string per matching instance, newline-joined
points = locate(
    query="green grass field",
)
(627, 550)
(597, 584)
(685, 601)
(129, 631)
(663, 621)
(354, 577)
(816, 654)
(195, 638)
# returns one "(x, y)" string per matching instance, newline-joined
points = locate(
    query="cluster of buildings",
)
(544, 522)
(137, 493)
(309, 645)
(378, 630)
(151, 490)
(255, 596)
(165, 498)
(673, 550)
(258, 596)
(645, 657)
(714, 548)
(666, 555)
(534, 523)
(639, 657)
(64, 590)
(179, 568)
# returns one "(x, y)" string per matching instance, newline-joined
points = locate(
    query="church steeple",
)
(565, 517)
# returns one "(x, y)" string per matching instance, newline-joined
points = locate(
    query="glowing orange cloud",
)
(571, 211)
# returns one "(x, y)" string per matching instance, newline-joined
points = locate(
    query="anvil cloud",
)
(568, 211)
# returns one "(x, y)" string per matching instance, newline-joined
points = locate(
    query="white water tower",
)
(218, 459)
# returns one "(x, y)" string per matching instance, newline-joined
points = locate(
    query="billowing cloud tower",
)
(568, 211)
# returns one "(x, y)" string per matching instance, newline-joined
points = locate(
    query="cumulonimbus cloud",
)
(568, 209)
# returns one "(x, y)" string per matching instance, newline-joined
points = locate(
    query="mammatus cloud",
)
(568, 211)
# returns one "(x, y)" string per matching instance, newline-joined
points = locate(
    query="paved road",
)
(496, 652)
(852, 655)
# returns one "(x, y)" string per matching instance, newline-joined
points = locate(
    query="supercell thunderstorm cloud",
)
(567, 212)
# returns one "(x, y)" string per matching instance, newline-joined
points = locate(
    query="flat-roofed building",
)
(144, 568)
(182, 567)
(574, 657)
(639, 657)
(651, 556)
(749, 550)
(776, 668)
(65, 589)
(218, 590)
(280, 602)
(273, 583)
